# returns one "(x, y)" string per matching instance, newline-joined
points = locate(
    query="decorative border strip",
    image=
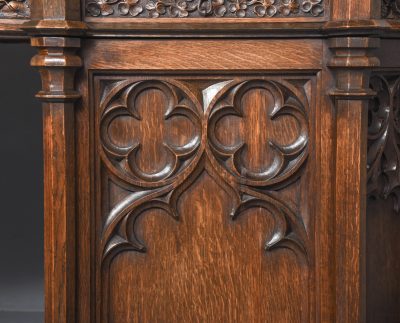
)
(204, 8)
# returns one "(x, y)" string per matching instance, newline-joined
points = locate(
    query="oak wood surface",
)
(56, 62)
(211, 55)
(382, 225)
(199, 272)
(218, 161)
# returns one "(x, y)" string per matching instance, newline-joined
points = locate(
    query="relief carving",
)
(124, 159)
(384, 140)
(14, 9)
(204, 8)
(286, 158)
(390, 9)
(251, 185)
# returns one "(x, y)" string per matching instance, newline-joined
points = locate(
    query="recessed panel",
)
(203, 185)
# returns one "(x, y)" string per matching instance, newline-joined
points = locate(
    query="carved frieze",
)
(14, 9)
(384, 140)
(390, 9)
(156, 137)
(204, 8)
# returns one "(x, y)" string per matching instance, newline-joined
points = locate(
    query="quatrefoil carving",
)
(287, 157)
(151, 136)
(285, 104)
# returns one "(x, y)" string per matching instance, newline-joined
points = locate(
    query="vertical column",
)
(354, 10)
(55, 17)
(57, 63)
(53, 24)
(351, 63)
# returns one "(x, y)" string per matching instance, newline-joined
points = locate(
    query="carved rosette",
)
(390, 9)
(204, 8)
(384, 140)
(202, 151)
(14, 9)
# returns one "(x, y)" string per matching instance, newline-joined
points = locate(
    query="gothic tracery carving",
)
(202, 152)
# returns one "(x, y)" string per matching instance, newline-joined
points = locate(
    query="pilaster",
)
(57, 62)
(351, 64)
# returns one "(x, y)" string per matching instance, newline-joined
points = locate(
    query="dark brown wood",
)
(219, 161)
(208, 197)
(383, 281)
(351, 95)
(57, 63)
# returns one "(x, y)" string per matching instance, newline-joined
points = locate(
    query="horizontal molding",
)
(198, 28)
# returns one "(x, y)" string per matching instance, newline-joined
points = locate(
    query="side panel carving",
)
(390, 9)
(383, 139)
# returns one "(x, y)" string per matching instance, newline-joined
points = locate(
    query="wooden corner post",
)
(57, 63)
(55, 28)
(351, 63)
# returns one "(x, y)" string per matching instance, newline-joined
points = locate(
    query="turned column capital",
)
(351, 62)
(57, 62)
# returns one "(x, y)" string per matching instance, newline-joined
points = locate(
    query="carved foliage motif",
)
(14, 9)
(204, 8)
(390, 9)
(251, 186)
(384, 140)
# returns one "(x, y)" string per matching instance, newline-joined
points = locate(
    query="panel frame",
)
(95, 63)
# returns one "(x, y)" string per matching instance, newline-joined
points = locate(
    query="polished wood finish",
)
(351, 95)
(219, 161)
(209, 197)
(57, 63)
(382, 225)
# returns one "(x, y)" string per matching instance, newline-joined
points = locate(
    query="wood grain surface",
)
(214, 215)
(237, 165)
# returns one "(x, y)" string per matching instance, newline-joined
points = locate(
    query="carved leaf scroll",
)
(390, 9)
(201, 153)
(384, 140)
(204, 8)
(14, 9)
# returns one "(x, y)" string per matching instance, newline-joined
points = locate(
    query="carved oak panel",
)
(390, 9)
(204, 8)
(384, 139)
(216, 169)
